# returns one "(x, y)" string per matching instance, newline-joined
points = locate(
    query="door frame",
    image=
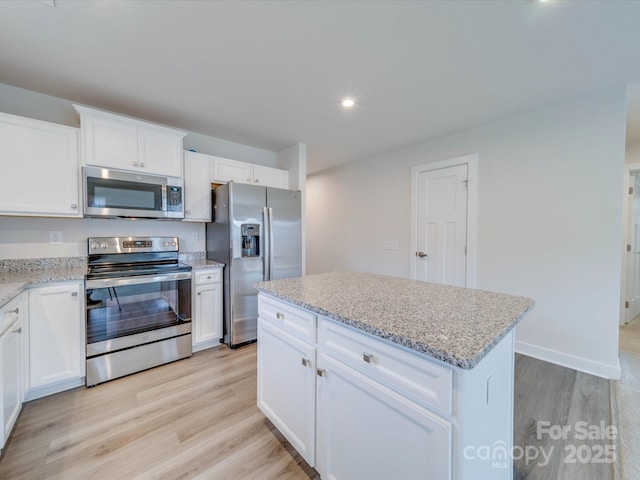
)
(471, 161)
(629, 168)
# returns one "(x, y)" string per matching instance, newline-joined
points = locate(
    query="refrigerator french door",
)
(257, 233)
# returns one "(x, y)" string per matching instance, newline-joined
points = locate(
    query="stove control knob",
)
(173, 244)
(94, 246)
(166, 244)
(104, 245)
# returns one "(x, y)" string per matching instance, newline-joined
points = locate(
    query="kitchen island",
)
(370, 376)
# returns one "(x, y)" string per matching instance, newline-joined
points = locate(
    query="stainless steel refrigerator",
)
(257, 233)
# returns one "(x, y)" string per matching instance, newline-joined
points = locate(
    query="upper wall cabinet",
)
(197, 187)
(40, 168)
(113, 141)
(226, 170)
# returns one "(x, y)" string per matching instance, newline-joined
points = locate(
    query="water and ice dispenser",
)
(250, 239)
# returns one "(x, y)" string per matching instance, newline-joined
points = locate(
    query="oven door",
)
(127, 311)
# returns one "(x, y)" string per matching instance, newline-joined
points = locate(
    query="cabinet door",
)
(109, 143)
(207, 321)
(225, 170)
(160, 152)
(286, 386)
(365, 430)
(42, 174)
(270, 177)
(197, 187)
(11, 384)
(56, 334)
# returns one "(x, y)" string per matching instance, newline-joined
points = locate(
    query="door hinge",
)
(626, 304)
(630, 190)
(628, 248)
(465, 249)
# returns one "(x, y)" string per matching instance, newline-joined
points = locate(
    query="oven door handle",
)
(136, 280)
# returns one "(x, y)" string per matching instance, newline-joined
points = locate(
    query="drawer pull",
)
(306, 362)
(15, 310)
(367, 357)
(18, 331)
(280, 316)
(321, 372)
(74, 294)
(208, 277)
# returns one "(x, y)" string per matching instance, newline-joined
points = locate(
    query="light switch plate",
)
(390, 245)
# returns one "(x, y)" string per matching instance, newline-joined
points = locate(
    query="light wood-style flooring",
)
(197, 418)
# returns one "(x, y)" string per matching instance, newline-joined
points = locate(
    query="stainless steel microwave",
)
(117, 193)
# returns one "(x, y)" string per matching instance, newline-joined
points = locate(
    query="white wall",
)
(26, 103)
(549, 221)
(28, 237)
(632, 153)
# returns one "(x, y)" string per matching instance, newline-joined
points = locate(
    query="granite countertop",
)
(456, 325)
(13, 282)
(201, 264)
(18, 274)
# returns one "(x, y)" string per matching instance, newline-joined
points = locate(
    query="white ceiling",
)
(270, 73)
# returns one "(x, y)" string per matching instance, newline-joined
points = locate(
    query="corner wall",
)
(549, 221)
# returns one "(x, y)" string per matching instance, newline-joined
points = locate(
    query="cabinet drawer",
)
(425, 382)
(208, 276)
(297, 321)
(9, 313)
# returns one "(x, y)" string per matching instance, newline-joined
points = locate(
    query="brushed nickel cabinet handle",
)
(367, 357)
(306, 362)
(18, 331)
(15, 310)
(280, 316)
(320, 372)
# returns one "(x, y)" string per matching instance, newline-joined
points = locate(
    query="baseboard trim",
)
(39, 392)
(610, 372)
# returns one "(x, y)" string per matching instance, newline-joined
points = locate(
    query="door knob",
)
(421, 254)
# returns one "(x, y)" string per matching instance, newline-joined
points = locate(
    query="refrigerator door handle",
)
(270, 239)
(267, 244)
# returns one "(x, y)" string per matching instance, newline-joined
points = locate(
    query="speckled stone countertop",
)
(456, 325)
(16, 275)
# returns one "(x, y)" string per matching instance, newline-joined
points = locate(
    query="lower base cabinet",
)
(358, 407)
(56, 338)
(359, 418)
(286, 387)
(12, 348)
(207, 309)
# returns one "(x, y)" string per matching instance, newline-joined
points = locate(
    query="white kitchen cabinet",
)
(207, 309)
(227, 170)
(12, 357)
(366, 430)
(197, 187)
(270, 177)
(56, 338)
(286, 386)
(381, 410)
(42, 174)
(113, 141)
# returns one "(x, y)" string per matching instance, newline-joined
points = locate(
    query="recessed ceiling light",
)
(347, 102)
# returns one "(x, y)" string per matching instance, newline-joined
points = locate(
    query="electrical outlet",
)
(55, 238)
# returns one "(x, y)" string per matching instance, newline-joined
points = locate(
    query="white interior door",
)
(633, 255)
(442, 226)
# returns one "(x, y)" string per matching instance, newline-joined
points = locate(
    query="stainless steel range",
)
(138, 306)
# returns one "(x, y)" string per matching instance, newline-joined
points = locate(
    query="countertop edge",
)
(464, 363)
